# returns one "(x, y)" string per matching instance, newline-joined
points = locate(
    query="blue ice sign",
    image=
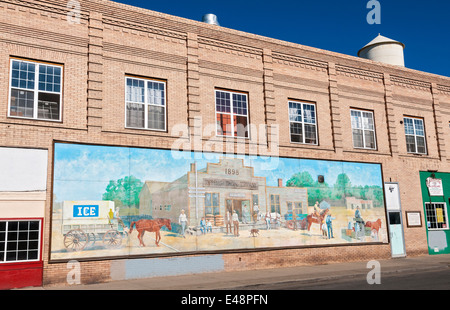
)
(85, 211)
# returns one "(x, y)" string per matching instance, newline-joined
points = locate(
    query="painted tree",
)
(124, 192)
(316, 191)
(342, 187)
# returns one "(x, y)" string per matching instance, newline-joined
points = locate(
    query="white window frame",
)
(231, 113)
(365, 147)
(36, 90)
(415, 135)
(435, 216)
(38, 258)
(303, 103)
(146, 104)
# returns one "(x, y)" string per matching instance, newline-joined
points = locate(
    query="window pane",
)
(370, 139)
(156, 118)
(296, 132)
(309, 114)
(240, 104)
(310, 134)
(409, 127)
(223, 102)
(418, 125)
(22, 103)
(367, 120)
(295, 112)
(421, 145)
(135, 115)
(224, 124)
(49, 78)
(358, 140)
(215, 199)
(356, 119)
(208, 200)
(135, 90)
(394, 218)
(23, 74)
(156, 93)
(410, 144)
(18, 246)
(48, 106)
(241, 129)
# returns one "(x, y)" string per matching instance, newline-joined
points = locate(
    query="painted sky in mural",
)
(98, 165)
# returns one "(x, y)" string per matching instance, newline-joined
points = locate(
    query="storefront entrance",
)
(242, 207)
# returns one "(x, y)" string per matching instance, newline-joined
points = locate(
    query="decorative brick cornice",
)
(409, 83)
(144, 53)
(140, 27)
(300, 62)
(359, 73)
(228, 46)
(230, 68)
(46, 7)
(445, 90)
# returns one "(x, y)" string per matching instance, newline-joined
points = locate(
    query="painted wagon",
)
(84, 223)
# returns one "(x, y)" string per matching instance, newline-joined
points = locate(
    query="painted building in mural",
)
(226, 186)
(122, 116)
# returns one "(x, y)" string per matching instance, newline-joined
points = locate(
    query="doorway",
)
(242, 207)
(395, 221)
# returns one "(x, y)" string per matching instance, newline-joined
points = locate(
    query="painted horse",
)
(374, 225)
(151, 226)
(312, 218)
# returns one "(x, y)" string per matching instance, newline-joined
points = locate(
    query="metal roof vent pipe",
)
(210, 19)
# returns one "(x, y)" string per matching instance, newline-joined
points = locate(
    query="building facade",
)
(103, 104)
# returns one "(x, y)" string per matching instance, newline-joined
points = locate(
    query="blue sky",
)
(82, 172)
(339, 26)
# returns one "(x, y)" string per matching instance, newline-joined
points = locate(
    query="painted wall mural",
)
(120, 201)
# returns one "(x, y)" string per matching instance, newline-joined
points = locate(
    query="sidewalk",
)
(240, 279)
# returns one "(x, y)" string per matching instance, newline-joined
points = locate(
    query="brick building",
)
(79, 79)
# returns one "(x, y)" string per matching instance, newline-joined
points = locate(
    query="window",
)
(35, 90)
(231, 114)
(294, 207)
(415, 135)
(19, 240)
(212, 203)
(436, 215)
(275, 204)
(363, 129)
(145, 104)
(302, 121)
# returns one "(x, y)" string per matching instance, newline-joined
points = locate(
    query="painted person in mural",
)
(183, 222)
(317, 210)
(117, 217)
(268, 217)
(359, 222)
(255, 212)
(228, 221)
(235, 223)
(329, 222)
(203, 225)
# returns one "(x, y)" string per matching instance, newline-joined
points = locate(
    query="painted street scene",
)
(118, 201)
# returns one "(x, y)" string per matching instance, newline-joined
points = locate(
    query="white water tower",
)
(384, 50)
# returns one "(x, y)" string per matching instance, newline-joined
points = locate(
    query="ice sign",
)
(85, 211)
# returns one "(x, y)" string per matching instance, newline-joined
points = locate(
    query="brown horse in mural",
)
(374, 225)
(312, 218)
(152, 226)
